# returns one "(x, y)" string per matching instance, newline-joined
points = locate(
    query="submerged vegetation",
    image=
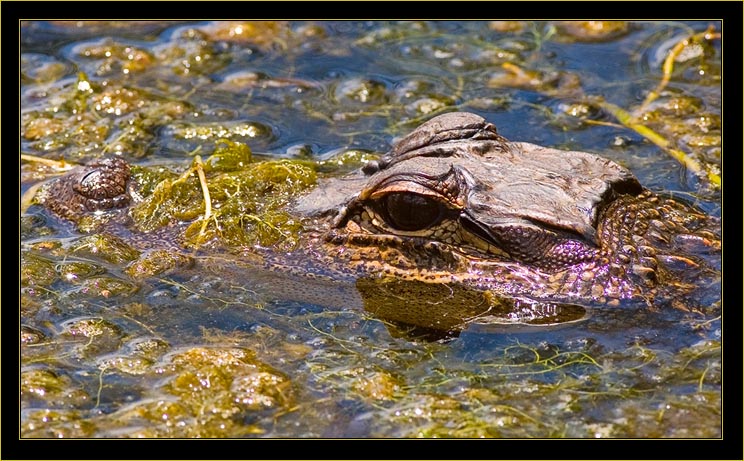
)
(241, 202)
(141, 330)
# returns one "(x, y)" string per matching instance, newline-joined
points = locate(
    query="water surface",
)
(209, 352)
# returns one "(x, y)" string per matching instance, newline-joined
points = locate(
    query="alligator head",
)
(454, 202)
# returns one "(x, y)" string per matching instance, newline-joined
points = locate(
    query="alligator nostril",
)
(100, 185)
(89, 185)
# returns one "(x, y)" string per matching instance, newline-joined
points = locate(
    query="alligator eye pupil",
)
(411, 212)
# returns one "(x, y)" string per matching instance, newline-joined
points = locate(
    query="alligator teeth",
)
(646, 250)
(648, 262)
(623, 258)
(677, 263)
(646, 274)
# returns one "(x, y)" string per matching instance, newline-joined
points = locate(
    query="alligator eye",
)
(411, 212)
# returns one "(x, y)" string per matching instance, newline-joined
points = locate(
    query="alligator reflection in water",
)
(423, 310)
(412, 309)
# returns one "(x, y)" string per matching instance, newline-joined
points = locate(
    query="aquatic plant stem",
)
(100, 387)
(627, 120)
(205, 190)
(59, 165)
(27, 199)
(668, 67)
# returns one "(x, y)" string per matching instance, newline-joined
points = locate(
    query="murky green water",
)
(207, 351)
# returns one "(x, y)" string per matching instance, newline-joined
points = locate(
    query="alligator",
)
(456, 223)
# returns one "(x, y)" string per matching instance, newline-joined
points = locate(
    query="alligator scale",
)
(457, 223)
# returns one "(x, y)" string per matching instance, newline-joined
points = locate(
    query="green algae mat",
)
(165, 329)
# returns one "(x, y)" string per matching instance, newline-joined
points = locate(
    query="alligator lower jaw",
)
(353, 256)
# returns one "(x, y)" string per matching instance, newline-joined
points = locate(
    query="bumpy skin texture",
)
(98, 186)
(456, 203)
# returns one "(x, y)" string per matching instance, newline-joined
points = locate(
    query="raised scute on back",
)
(453, 126)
